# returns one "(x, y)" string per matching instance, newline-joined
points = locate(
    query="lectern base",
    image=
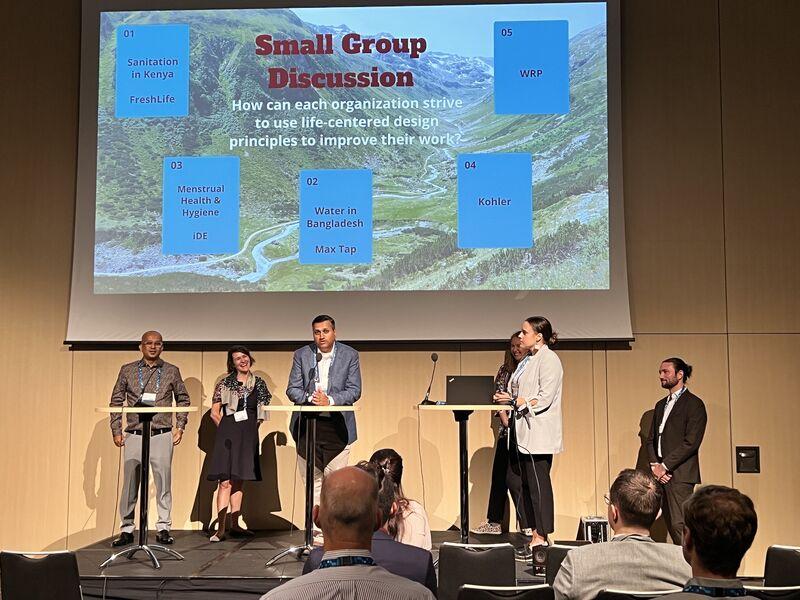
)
(149, 550)
(298, 551)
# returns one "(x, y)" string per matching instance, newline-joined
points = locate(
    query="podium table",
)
(146, 414)
(461, 412)
(311, 413)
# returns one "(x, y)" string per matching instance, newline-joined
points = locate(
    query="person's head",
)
(719, 526)
(674, 373)
(151, 345)
(387, 490)
(514, 352)
(634, 500)
(239, 360)
(348, 509)
(324, 329)
(537, 332)
(391, 462)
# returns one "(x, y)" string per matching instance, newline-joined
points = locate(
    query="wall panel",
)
(764, 412)
(761, 128)
(672, 162)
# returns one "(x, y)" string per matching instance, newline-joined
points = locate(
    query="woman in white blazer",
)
(535, 389)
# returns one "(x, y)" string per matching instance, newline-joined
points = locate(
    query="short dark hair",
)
(722, 523)
(680, 365)
(241, 350)
(387, 491)
(637, 496)
(543, 326)
(322, 319)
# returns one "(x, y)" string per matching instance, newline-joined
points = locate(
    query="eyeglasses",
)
(607, 500)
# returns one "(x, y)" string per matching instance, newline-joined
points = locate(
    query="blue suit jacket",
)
(344, 381)
(406, 561)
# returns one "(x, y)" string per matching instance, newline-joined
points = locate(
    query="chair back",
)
(632, 594)
(554, 556)
(487, 592)
(789, 592)
(49, 576)
(477, 564)
(782, 567)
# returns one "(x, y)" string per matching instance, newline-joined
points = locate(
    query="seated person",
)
(719, 526)
(409, 524)
(631, 560)
(407, 561)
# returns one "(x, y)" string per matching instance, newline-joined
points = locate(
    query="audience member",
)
(404, 560)
(348, 515)
(409, 524)
(719, 526)
(631, 560)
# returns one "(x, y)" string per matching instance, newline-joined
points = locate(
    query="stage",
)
(231, 569)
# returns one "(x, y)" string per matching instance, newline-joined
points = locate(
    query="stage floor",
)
(231, 569)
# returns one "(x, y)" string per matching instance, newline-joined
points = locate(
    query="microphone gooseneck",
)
(434, 358)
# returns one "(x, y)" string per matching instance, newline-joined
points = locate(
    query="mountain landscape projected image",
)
(347, 149)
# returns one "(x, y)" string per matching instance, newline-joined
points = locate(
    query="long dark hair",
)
(391, 463)
(510, 363)
(241, 350)
(543, 326)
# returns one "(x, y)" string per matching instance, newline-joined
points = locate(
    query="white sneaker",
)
(487, 528)
(527, 531)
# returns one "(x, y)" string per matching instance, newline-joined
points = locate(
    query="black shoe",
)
(163, 537)
(124, 539)
(523, 554)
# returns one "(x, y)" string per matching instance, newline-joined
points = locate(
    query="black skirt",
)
(235, 453)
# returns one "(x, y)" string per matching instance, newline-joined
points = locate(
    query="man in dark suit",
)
(406, 561)
(324, 373)
(679, 423)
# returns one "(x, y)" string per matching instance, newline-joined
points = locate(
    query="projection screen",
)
(420, 172)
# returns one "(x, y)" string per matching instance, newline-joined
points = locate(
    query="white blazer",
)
(541, 380)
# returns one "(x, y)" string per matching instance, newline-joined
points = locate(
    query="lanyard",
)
(519, 370)
(347, 561)
(142, 384)
(715, 592)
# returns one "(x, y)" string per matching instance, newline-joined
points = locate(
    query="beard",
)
(669, 383)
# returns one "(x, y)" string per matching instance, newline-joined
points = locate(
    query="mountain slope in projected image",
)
(414, 187)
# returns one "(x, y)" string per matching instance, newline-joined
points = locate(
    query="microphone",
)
(426, 401)
(313, 374)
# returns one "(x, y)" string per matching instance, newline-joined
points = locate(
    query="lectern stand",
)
(146, 414)
(461, 412)
(311, 413)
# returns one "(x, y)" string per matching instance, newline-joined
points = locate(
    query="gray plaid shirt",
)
(163, 379)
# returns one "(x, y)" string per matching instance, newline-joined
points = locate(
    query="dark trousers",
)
(675, 494)
(498, 493)
(535, 489)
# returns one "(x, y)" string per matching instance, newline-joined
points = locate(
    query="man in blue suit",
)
(325, 373)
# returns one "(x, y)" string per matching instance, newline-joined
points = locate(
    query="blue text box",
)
(152, 73)
(495, 201)
(531, 67)
(201, 205)
(335, 216)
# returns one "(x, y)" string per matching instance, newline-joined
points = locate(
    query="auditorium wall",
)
(710, 148)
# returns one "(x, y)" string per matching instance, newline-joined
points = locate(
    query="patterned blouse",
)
(263, 396)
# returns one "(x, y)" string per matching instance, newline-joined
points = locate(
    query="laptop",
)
(469, 389)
